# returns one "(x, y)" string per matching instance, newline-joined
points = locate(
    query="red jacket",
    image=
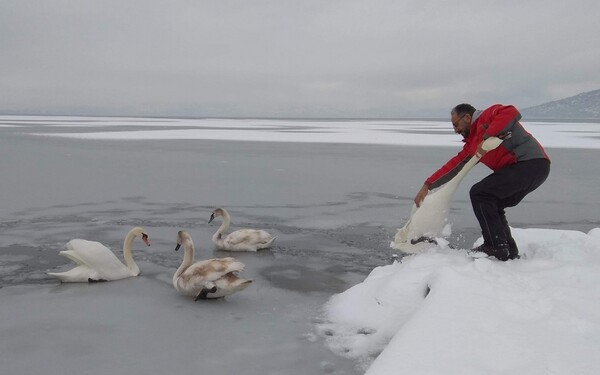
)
(496, 121)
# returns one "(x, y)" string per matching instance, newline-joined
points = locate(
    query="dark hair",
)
(463, 109)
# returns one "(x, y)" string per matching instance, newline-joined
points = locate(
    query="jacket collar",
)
(474, 118)
(476, 115)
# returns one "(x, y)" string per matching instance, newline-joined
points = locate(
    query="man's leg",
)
(504, 188)
(485, 198)
(538, 173)
(513, 250)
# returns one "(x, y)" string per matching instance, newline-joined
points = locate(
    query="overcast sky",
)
(304, 58)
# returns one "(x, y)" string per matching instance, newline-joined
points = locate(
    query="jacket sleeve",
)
(450, 169)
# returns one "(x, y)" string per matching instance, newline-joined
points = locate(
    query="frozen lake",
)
(332, 192)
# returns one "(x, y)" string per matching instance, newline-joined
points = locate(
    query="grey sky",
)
(351, 58)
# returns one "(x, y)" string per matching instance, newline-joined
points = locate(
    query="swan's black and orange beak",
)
(177, 247)
(212, 217)
(145, 239)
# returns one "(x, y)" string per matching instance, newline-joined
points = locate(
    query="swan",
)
(240, 240)
(96, 262)
(212, 278)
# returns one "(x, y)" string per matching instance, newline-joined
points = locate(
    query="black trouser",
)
(505, 187)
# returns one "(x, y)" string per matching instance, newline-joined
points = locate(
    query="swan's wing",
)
(248, 236)
(229, 284)
(211, 270)
(266, 239)
(73, 256)
(95, 256)
(79, 274)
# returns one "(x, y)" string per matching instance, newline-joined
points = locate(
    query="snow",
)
(443, 312)
(388, 132)
(437, 312)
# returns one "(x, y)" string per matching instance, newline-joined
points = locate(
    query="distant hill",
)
(582, 106)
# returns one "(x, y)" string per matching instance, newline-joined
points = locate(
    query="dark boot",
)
(500, 251)
(513, 250)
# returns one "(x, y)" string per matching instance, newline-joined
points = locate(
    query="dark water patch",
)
(21, 264)
(302, 279)
(358, 249)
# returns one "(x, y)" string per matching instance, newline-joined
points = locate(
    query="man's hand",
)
(480, 150)
(421, 195)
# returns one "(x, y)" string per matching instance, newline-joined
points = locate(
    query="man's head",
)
(461, 117)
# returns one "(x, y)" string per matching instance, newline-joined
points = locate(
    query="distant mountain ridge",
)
(581, 106)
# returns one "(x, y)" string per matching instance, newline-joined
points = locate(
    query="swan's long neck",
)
(127, 256)
(188, 258)
(225, 224)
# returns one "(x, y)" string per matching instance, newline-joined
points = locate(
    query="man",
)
(520, 166)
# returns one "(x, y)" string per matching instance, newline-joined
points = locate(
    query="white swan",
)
(240, 240)
(212, 278)
(427, 221)
(95, 262)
